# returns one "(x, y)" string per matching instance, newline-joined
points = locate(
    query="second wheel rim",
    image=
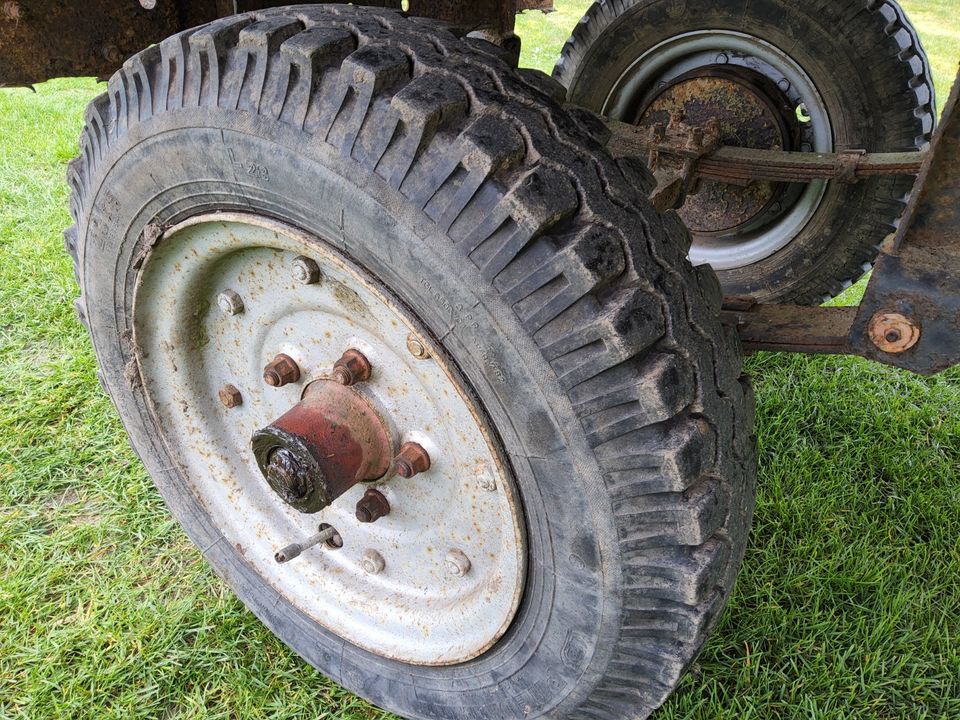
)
(709, 53)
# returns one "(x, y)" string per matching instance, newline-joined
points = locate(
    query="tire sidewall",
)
(191, 162)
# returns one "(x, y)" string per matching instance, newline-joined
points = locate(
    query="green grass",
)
(543, 34)
(848, 606)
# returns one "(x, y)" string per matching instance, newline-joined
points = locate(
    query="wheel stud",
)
(230, 396)
(280, 371)
(305, 270)
(230, 302)
(417, 348)
(412, 460)
(486, 478)
(296, 549)
(372, 506)
(352, 368)
(372, 562)
(458, 564)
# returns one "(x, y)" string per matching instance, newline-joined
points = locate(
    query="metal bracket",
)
(910, 313)
(918, 276)
(103, 33)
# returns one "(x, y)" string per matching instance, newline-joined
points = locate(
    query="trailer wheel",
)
(813, 76)
(431, 387)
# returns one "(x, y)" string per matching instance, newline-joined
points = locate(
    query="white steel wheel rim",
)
(682, 53)
(416, 609)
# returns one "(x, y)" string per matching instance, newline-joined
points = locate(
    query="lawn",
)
(848, 605)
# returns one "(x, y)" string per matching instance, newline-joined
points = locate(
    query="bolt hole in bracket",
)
(418, 471)
(910, 313)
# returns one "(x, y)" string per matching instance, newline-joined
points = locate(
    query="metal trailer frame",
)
(43, 39)
(910, 313)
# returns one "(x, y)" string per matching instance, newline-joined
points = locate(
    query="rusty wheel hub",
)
(762, 99)
(329, 437)
(746, 108)
(330, 441)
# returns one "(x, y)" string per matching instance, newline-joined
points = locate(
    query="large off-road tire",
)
(856, 65)
(495, 221)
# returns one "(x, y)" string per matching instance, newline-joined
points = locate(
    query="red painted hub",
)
(330, 441)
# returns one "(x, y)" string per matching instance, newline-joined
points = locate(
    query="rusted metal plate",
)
(918, 276)
(923, 285)
(545, 5)
(43, 39)
(494, 14)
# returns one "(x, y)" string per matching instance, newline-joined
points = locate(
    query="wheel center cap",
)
(328, 442)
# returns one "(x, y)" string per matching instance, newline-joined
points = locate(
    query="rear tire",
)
(866, 62)
(563, 298)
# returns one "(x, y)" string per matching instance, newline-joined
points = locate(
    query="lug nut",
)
(230, 302)
(352, 368)
(412, 460)
(230, 396)
(372, 506)
(417, 348)
(305, 270)
(280, 371)
(458, 564)
(372, 562)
